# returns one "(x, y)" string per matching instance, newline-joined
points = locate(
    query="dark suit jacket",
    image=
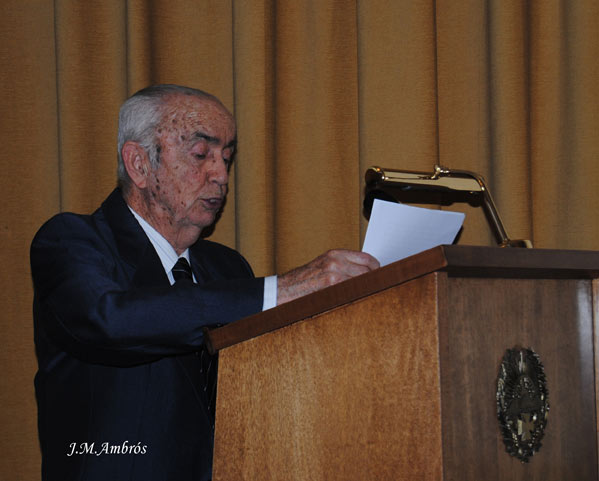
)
(118, 380)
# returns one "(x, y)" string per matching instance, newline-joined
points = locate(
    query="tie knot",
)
(182, 270)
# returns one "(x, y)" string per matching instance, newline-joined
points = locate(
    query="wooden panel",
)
(480, 319)
(350, 394)
(467, 261)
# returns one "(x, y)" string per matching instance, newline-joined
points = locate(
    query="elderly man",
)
(122, 296)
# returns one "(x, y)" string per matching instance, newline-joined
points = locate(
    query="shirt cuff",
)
(270, 292)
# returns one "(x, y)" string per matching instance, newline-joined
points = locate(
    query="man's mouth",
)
(213, 203)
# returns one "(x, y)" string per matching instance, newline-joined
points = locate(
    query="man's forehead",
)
(195, 114)
(191, 106)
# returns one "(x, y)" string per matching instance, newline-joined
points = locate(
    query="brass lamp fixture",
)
(442, 187)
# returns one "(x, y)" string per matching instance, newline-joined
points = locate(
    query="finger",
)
(359, 258)
(357, 269)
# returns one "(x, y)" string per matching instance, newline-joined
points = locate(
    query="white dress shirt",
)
(168, 256)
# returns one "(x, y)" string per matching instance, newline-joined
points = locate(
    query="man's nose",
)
(218, 169)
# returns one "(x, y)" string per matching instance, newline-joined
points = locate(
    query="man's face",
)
(196, 139)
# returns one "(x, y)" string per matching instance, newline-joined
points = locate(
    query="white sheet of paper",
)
(397, 231)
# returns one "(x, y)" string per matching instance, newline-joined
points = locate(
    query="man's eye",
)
(228, 156)
(200, 156)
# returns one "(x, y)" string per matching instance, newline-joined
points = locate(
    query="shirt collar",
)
(166, 252)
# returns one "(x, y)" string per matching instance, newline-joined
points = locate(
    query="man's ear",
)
(137, 163)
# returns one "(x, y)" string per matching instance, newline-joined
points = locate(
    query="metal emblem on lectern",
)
(522, 402)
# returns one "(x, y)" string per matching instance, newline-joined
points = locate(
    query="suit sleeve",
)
(86, 305)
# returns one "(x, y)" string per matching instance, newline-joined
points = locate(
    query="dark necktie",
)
(208, 363)
(182, 270)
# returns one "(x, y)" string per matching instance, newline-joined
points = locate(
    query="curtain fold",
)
(90, 49)
(30, 186)
(316, 144)
(321, 90)
(564, 112)
(255, 165)
(398, 108)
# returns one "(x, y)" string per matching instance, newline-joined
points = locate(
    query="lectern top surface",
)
(456, 261)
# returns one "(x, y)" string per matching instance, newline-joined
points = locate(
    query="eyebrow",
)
(213, 140)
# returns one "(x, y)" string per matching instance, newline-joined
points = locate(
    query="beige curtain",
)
(321, 90)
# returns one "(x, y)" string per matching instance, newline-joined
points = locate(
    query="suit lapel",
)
(133, 245)
(198, 265)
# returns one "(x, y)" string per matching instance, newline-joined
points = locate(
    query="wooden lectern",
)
(393, 375)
